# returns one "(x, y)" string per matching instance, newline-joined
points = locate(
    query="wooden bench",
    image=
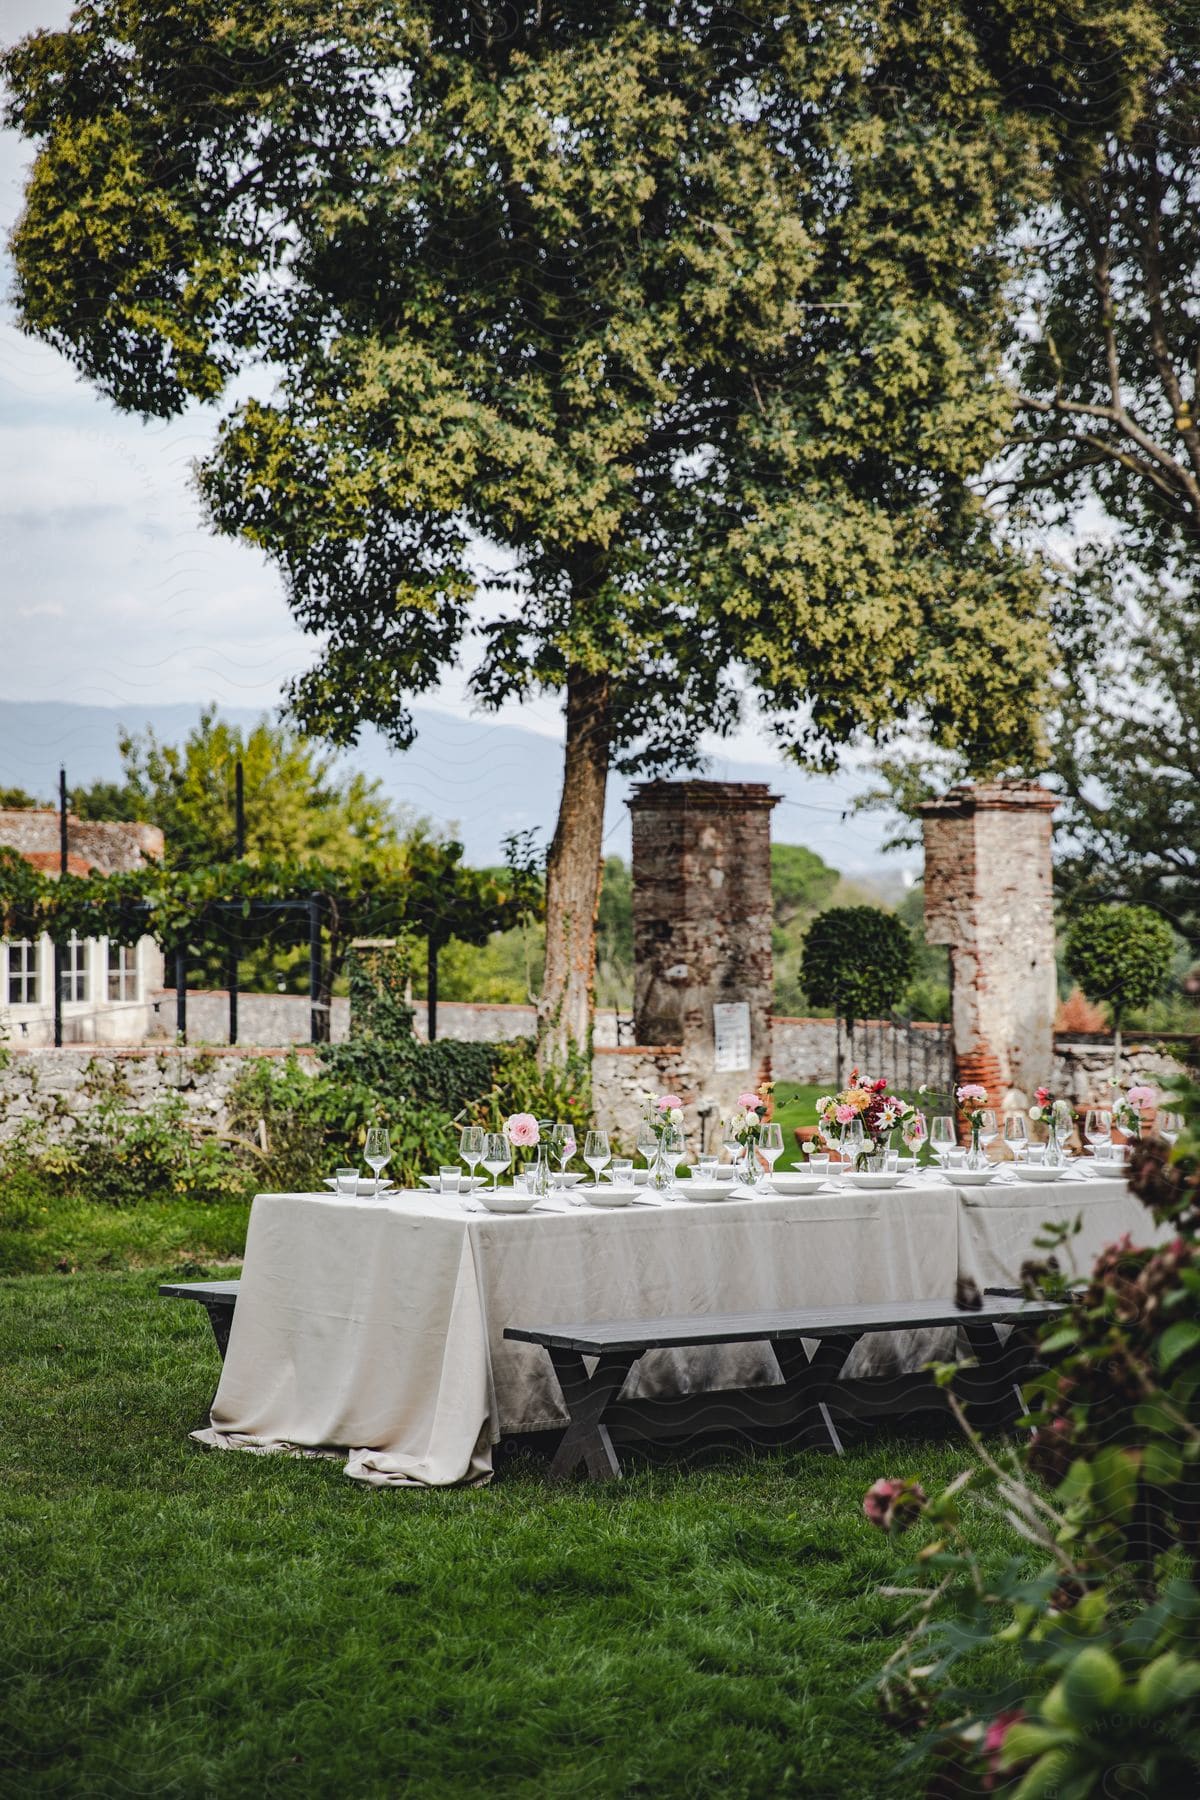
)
(218, 1297)
(617, 1344)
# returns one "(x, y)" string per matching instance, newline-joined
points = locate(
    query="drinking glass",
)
(1016, 1135)
(943, 1137)
(378, 1152)
(620, 1171)
(449, 1179)
(673, 1150)
(647, 1143)
(470, 1147)
(770, 1145)
(497, 1154)
(705, 1165)
(347, 1181)
(562, 1142)
(1097, 1127)
(596, 1152)
(1170, 1124)
(989, 1131)
(851, 1143)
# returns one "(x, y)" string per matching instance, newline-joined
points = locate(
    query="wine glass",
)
(1169, 1126)
(470, 1147)
(596, 1152)
(1097, 1127)
(989, 1130)
(1016, 1135)
(770, 1145)
(497, 1154)
(943, 1137)
(673, 1150)
(378, 1152)
(562, 1142)
(647, 1143)
(850, 1143)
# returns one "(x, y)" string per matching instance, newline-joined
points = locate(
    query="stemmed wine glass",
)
(497, 1154)
(944, 1138)
(672, 1150)
(989, 1130)
(596, 1153)
(647, 1143)
(1016, 1135)
(1169, 1125)
(470, 1148)
(851, 1143)
(1097, 1127)
(562, 1142)
(377, 1153)
(770, 1145)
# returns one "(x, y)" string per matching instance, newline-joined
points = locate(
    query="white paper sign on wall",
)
(731, 1036)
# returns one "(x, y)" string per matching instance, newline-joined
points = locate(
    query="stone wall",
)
(1083, 1064)
(622, 1079)
(52, 1088)
(281, 1019)
(108, 845)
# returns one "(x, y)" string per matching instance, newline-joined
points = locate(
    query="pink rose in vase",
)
(522, 1130)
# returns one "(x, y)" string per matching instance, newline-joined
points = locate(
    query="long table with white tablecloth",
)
(375, 1327)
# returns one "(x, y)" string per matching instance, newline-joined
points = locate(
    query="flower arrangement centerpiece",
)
(1127, 1111)
(744, 1124)
(869, 1104)
(972, 1104)
(663, 1117)
(1057, 1117)
(523, 1133)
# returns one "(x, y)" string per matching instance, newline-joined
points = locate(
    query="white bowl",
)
(970, 1177)
(508, 1200)
(1039, 1172)
(706, 1190)
(798, 1184)
(605, 1194)
(467, 1184)
(566, 1181)
(867, 1178)
(366, 1188)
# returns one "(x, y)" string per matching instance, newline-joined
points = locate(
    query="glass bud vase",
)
(1055, 1155)
(976, 1155)
(539, 1172)
(662, 1175)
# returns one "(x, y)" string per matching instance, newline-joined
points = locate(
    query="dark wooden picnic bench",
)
(218, 1298)
(592, 1400)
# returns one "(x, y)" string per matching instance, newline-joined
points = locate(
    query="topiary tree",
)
(1120, 955)
(857, 959)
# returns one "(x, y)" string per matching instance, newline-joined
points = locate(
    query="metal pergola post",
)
(62, 869)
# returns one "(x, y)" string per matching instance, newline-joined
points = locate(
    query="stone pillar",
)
(988, 895)
(702, 915)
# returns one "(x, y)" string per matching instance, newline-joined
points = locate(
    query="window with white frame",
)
(22, 985)
(74, 968)
(122, 971)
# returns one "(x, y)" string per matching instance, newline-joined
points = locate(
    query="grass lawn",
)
(795, 1105)
(183, 1622)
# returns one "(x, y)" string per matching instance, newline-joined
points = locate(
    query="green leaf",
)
(1176, 1341)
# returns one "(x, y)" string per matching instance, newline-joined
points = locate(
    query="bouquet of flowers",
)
(741, 1127)
(878, 1111)
(1127, 1111)
(664, 1114)
(1046, 1110)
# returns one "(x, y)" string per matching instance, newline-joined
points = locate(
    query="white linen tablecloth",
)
(376, 1326)
(997, 1224)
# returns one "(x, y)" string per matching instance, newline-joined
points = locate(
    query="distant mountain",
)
(482, 778)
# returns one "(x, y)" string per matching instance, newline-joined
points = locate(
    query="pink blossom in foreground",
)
(669, 1102)
(894, 1505)
(521, 1130)
(748, 1099)
(971, 1091)
(993, 1743)
(1140, 1096)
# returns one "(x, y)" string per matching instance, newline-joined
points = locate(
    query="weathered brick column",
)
(702, 914)
(988, 895)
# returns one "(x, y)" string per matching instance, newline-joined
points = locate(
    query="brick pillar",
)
(702, 913)
(988, 895)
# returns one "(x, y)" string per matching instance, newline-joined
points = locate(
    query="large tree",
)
(642, 353)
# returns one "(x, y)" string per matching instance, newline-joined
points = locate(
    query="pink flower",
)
(894, 1505)
(845, 1115)
(748, 1099)
(1140, 1096)
(1042, 1096)
(668, 1102)
(993, 1743)
(972, 1091)
(521, 1130)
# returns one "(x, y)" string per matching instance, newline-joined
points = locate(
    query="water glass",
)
(596, 1153)
(1016, 1135)
(620, 1171)
(1097, 1127)
(347, 1181)
(1169, 1125)
(449, 1179)
(497, 1154)
(891, 1161)
(770, 1145)
(818, 1162)
(989, 1131)
(562, 1142)
(704, 1168)
(851, 1142)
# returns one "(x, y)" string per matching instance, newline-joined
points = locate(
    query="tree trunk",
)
(573, 871)
(431, 975)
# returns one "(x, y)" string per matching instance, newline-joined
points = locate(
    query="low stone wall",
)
(1083, 1064)
(54, 1088)
(622, 1079)
(272, 1020)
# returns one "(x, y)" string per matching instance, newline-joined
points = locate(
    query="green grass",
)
(795, 1105)
(68, 1234)
(184, 1622)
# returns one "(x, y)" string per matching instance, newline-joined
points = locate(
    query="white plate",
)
(507, 1200)
(798, 1184)
(1039, 1172)
(567, 1181)
(608, 1195)
(366, 1186)
(434, 1182)
(970, 1177)
(867, 1178)
(706, 1190)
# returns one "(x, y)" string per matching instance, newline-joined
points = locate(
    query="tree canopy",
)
(858, 960)
(634, 353)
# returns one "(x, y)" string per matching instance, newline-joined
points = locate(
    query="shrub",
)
(858, 960)
(1120, 955)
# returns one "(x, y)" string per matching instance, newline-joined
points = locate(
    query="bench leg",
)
(997, 1361)
(220, 1317)
(813, 1378)
(586, 1397)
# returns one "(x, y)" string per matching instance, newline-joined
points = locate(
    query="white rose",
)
(677, 1115)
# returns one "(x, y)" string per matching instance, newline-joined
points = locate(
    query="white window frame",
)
(121, 972)
(74, 969)
(21, 967)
